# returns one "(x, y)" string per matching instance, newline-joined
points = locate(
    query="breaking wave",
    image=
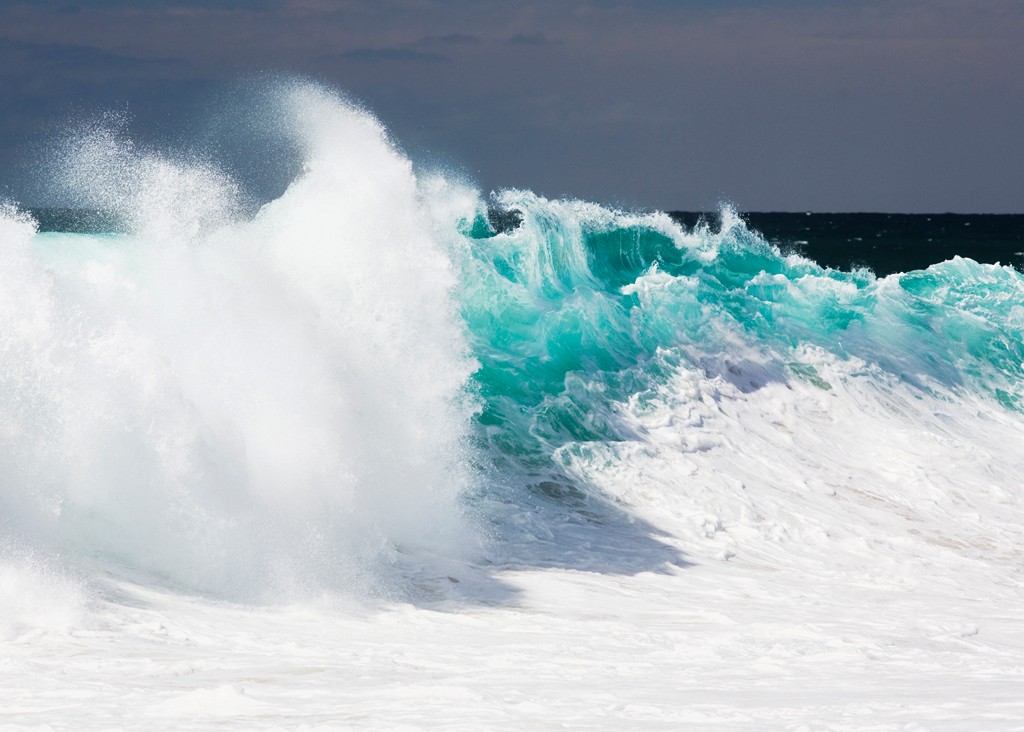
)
(355, 376)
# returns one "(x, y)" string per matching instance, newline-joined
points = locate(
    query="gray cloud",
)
(64, 6)
(77, 59)
(529, 39)
(451, 39)
(386, 54)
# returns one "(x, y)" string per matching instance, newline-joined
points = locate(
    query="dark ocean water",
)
(884, 243)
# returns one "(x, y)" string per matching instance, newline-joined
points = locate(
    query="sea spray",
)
(237, 406)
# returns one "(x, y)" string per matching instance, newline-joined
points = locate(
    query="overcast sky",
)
(827, 105)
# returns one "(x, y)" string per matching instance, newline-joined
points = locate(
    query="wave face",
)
(583, 310)
(362, 370)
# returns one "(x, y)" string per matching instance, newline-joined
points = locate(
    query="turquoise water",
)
(580, 309)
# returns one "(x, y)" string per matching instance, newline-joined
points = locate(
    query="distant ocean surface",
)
(884, 243)
(888, 243)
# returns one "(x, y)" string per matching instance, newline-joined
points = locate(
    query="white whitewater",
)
(242, 407)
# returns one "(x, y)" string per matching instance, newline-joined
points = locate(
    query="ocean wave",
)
(368, 372)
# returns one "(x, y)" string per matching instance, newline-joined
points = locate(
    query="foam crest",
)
(238, 406)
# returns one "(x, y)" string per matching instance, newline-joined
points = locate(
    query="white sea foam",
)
(236, 406)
